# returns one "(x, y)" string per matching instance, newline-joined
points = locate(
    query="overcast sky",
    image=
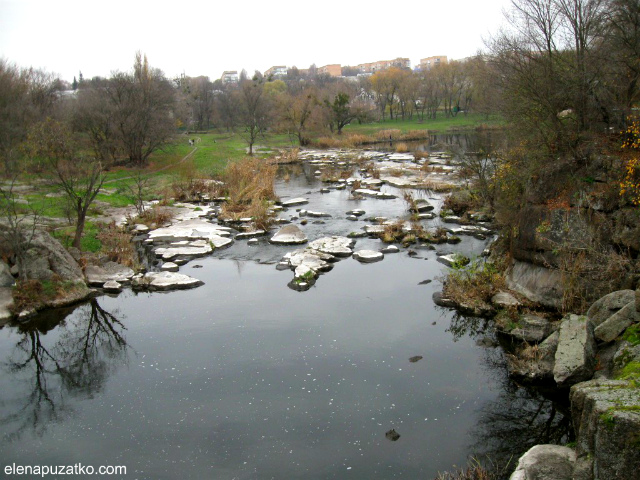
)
(207, 37)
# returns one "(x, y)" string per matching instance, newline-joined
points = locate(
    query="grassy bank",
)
(440, 124)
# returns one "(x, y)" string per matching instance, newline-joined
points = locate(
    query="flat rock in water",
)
(250, 234)
(289, 235)
(165, 281)
(190, 250)
(318, 214)
(169, 267)
(97, 276)
(193, 229)
(421, 205)
(415, 359)
(112, 287)
(374, 229)
(356, 212)
(295, 201)
(390, 249)
(366, 192)
(336, 246)
(368, 256)
(453, 259)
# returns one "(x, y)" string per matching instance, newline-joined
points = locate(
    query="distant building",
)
(229, 77)
(383, 65)
(332, 70)
(429, 63)
(279, 71)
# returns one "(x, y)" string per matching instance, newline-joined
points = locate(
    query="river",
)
(244, 378)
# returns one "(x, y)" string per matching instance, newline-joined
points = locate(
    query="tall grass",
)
(249, 189)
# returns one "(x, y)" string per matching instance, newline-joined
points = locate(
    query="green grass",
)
(440, 124)
(89, 242)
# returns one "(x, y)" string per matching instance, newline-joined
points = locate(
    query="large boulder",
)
(606, 420)
(545, 462)
(47, 257)
(575, 356)
(608, 305)
(538, 284)
(617, 323)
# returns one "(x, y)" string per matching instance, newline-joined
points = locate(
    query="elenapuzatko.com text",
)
(76, 469)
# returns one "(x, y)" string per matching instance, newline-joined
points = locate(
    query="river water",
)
(244, 378)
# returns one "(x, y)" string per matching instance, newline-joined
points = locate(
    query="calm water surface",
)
(244, 378)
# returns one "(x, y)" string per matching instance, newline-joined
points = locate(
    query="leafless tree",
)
(80, 177)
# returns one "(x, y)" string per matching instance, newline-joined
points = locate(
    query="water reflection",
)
(520, 417)
(74, 359)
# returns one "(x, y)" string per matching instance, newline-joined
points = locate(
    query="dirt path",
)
(179, 162)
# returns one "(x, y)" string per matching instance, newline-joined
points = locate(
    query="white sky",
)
(207, 37)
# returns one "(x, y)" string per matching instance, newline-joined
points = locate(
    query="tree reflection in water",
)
(520, 417)
(87, 346)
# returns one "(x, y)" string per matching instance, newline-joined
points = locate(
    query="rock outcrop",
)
(606, 419)
(538, 284)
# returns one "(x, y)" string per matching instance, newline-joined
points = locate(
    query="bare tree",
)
(255, 111)
(78, 176)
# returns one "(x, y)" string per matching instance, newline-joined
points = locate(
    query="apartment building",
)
(277, 71)
(430, 62)
(229, 77)
(383, 65)
(332, 70)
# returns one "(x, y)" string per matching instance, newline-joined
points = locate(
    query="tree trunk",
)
(82, 215)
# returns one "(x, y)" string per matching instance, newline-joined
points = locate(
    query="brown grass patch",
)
(402, 147)
(117, 245)
(156, 215)
(249, 188)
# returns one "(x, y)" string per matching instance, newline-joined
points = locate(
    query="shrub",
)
(249, 188)
(474, 284)
(156, 215)
(402, 147)
(117, 245)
